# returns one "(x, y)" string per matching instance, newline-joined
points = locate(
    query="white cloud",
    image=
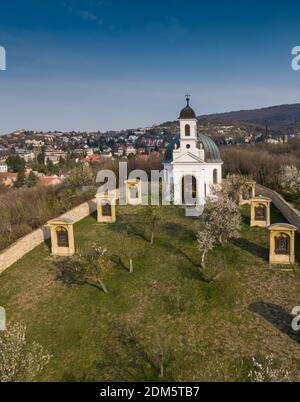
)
(89, 16)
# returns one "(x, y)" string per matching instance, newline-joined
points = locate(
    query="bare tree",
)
(81, 175)
(128, 247)
(128, 252)
(259, 160)
(95, 261)
(150, 347)
(159, 350)
(232, 186)
(153, 215)
(19, 359)
(87, 267)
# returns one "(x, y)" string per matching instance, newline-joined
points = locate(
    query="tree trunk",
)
(101, 283)
(161, 370)
(152, 236)
(203, 259)
(130, 265)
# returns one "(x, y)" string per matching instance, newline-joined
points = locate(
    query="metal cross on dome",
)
(188, 97)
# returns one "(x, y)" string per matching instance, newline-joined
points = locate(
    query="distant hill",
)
(274, 116)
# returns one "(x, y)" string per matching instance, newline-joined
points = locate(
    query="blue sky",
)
(110, 64)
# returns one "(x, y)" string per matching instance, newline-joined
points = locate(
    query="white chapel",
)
(192, 163)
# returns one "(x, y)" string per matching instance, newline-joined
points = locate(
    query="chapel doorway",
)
(189, 190)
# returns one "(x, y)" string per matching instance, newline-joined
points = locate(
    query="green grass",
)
(208, 330)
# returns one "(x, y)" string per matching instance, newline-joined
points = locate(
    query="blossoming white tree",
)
(289, 179)
(266, 371)
(19, 359)
(206, 242)
(222, 216)
(220, 221)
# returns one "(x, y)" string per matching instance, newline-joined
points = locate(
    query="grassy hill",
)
(280, 119)
(274, 116)
(207, 330)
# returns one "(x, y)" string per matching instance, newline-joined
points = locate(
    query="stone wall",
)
(291, 214)
(27, 243)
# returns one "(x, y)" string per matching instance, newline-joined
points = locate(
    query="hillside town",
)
(47, 155)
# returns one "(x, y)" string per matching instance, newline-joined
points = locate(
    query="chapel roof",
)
(211, 150)
(187, 112)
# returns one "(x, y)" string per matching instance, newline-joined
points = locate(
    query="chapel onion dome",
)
(187, 112)
(211, 150)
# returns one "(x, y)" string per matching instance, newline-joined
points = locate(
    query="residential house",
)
(90, 159)
(54, 156)
(3, 167)
(28, 156)
(51, 180)
(130, 150)
(8, 179)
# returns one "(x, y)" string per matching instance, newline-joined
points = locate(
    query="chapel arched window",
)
(282, 244)
(187, 130)
(62, 237)
(260, 213)
(106, 209)
(215, 176)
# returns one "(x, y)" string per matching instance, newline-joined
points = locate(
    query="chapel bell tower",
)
(188, 127)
